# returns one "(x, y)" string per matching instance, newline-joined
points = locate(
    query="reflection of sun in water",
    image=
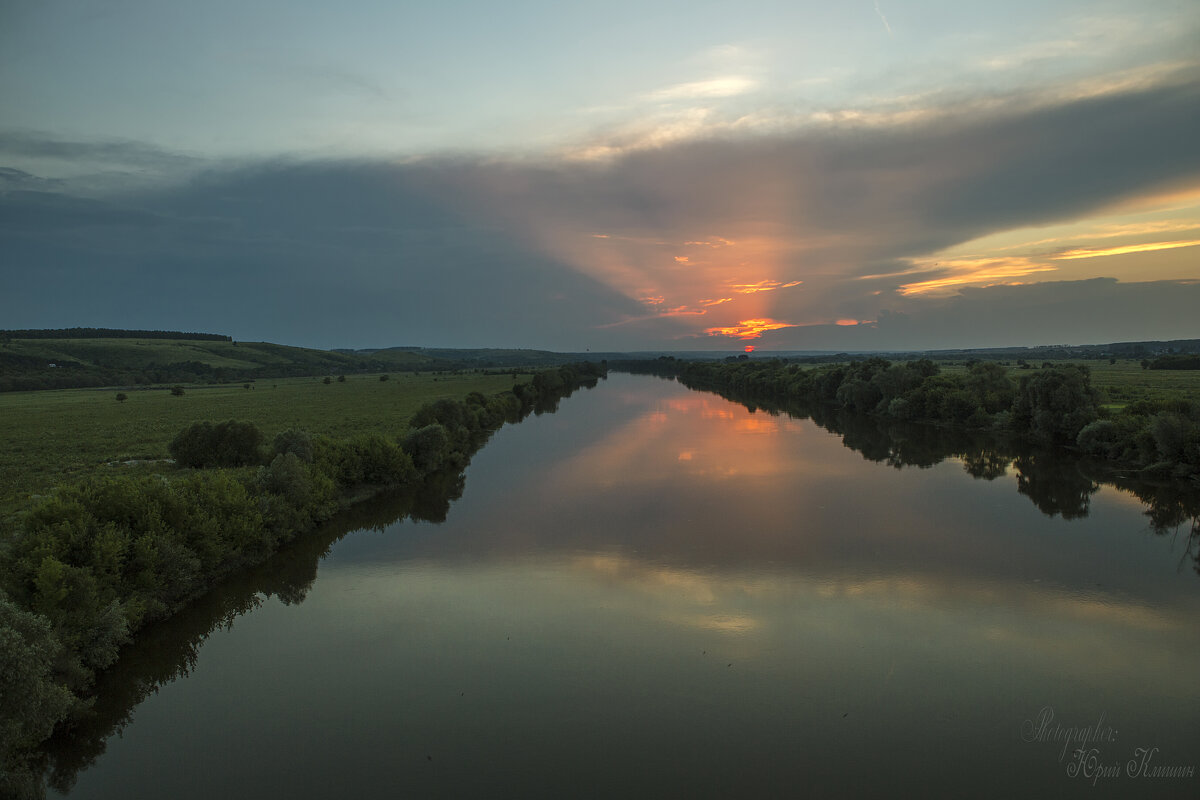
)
(704, 437)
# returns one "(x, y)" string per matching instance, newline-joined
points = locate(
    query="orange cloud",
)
(979, 272)
(762, 286)
(716, 302)
(1129, 248)
(845, 322)
(749, 328)
(682, 259)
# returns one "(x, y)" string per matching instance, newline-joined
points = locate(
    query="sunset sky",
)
(626, 176)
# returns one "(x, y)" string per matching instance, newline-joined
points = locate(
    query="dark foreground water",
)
(656, 593)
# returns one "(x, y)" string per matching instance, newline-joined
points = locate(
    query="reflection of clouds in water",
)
(1101, 638)
(702, 436)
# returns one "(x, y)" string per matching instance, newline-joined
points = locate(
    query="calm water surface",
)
(655, 592)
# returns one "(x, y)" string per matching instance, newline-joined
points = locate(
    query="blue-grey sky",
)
(626, 176)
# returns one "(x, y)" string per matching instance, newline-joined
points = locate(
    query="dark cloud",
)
(322, 255)
(34, 212)
(472, 251)
(15, 179)
(25, 144)
(1092, 311)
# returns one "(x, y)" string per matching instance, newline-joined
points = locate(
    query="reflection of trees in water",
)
(1054, 484)
(168, 650)
(986, 464)
(1171, 508)
(1054, 480)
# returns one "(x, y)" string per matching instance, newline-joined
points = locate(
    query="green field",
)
(1121, 383)
(1126, 382)
(53, 437)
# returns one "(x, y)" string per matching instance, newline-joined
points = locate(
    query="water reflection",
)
(169, 650)
(660, 592)
(1056, 481)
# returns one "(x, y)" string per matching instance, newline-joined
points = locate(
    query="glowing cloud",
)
(749, 328)
(717, 87)
(1129, 248)
(762, 286)
(975, 272)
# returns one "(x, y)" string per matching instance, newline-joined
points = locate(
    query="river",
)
(656, 592)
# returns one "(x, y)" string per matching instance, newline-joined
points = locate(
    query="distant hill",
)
(472, 358)
(49, 363)
(108, 333)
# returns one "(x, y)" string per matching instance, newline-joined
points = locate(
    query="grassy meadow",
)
(54, 437)
(1121, 383)
(1126, 382)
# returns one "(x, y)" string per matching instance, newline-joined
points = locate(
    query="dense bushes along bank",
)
(95, 562)
(1051, 405)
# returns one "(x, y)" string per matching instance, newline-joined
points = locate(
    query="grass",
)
(55, 437)
(1122, 383)
(1126, 382)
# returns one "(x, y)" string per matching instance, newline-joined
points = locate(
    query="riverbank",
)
(1054, 406)
(55, 437)
(97, 561)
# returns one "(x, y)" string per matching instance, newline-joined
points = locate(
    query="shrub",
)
(428, 447)
(227, 444)
(286, 476)
(177, 391)
(381, 461)
(30, 702)
(1098, 438)
(294, 441)
(122, 397)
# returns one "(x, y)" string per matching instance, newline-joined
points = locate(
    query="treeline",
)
(109, 333)
(22, 373)
(1055, 405)
(95, 562)
(1175, 362)
(118, 366)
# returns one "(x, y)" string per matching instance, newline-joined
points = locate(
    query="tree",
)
(1055, 403)
(226, 444)
(428, 447)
